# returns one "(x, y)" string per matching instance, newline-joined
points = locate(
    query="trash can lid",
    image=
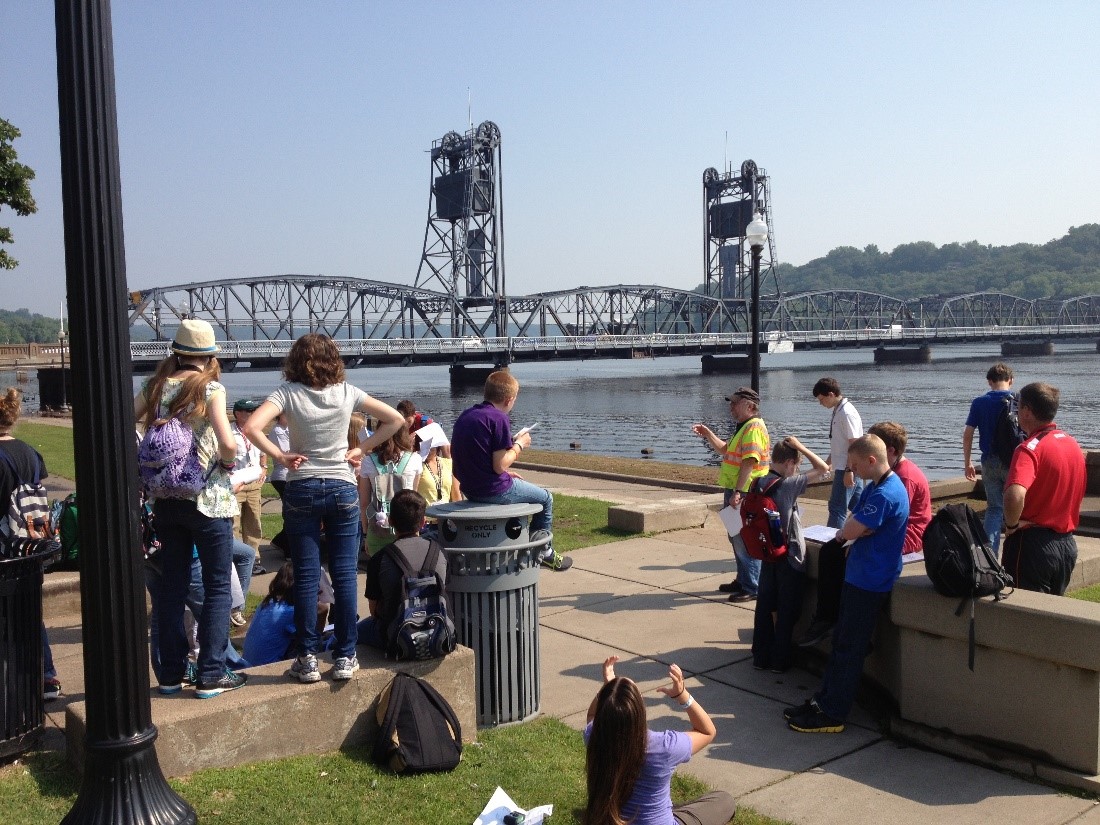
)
(475, 511)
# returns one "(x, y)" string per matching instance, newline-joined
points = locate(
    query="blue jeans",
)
(859, 611)
(182, 529)
(244, 557)
(994, 473)
(193, 601)
(842, 499)
(309, 504)
(524, 492)
(748, 568)
(370, 634)
(48, 669)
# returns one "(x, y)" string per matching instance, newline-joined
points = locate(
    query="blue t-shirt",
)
(874, 561)
(651, 801)
(478, 433)
(270, 633)
(984, 411)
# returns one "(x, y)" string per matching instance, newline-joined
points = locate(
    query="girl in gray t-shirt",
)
(321, 492)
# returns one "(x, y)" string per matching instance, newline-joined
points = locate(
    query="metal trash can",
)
(21, 653)
(492, 587)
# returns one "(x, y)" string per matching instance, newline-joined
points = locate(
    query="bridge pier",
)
(1029, 347)
(904, 355)
(725, 364)
(463, 375)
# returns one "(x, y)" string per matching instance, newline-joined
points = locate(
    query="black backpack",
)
(418, 730)
(422, 628)
(1007, 435)
(959, 560)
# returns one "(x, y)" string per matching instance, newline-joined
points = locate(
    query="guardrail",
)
(399, 347)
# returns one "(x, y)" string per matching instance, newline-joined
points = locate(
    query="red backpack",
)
(762, 527)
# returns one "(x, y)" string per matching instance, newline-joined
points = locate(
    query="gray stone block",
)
(658, 517)
(274, 717)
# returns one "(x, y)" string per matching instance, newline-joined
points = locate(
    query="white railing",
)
(366, 347)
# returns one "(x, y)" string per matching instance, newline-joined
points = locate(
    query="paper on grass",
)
(500, 805)
(819, 532)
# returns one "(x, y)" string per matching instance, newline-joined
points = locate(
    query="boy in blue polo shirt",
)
(876, 530)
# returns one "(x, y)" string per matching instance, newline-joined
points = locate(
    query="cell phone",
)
(515, 818)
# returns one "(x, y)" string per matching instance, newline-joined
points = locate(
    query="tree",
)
(15, 190)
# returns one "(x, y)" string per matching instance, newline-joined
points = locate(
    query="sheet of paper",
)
(909, 558)
(500, 805)
(246, 475)
(731, 519)
(526, 429)
(819, 532)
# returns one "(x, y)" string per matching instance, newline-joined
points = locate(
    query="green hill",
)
(1063, 268)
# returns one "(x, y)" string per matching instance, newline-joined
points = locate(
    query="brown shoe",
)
(732, 587)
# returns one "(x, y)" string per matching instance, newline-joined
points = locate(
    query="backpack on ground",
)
(383, 488)
(168, 460)
(959, 560)
(418, 730)
(761, 524)
(1007, 435)
(63, 517)
(422, 628)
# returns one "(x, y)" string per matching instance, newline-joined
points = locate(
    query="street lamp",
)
(756, 235)
(61, 336)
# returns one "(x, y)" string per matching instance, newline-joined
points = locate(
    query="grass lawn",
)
(536, 763)
(1087, 594)
(54, 443)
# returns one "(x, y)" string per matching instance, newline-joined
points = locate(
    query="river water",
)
(620, 408)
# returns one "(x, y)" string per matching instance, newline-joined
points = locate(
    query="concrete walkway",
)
(654, 600)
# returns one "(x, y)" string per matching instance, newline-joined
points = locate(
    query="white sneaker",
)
(343, 667)
(305, 669)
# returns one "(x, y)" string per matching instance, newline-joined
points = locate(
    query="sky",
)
(267, 138)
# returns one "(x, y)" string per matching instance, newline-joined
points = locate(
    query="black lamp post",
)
(756, 235)
(123, 782)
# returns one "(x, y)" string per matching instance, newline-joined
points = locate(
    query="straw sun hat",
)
(194, 337)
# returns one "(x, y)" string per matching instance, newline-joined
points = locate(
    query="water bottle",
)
(775, 527)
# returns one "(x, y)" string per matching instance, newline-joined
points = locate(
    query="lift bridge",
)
(458, 311)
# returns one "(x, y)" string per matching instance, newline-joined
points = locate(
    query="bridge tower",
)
(464, 237)
(729, 200)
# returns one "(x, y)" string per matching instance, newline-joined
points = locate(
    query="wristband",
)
(1015, 526)
(848, 470)
(518, 446)
(227, 465)
(688, 703)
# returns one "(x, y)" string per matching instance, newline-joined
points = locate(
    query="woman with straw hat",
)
(186, 386)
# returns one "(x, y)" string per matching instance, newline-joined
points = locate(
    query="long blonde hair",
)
(191, 399)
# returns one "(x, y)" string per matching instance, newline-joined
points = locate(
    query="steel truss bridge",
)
(378, 323)
(459, 312)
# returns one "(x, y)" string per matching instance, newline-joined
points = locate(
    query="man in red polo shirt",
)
(1043, 494)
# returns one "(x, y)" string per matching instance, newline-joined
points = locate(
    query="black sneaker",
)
(229, 681)
(799, 710)
(556, 561)
(816, 633)
(730, 587)
(816, 721)
(742, 596)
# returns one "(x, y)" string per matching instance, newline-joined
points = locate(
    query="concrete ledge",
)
(1032, 703)
(274, 717)
(60, 594)
(660, 517)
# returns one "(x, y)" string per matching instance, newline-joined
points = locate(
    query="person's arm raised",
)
(702, 731)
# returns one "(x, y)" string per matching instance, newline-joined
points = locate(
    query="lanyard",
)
(836, 409)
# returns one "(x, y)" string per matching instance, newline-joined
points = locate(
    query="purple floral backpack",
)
(168, 461)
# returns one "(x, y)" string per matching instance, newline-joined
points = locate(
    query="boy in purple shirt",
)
(482, 448)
